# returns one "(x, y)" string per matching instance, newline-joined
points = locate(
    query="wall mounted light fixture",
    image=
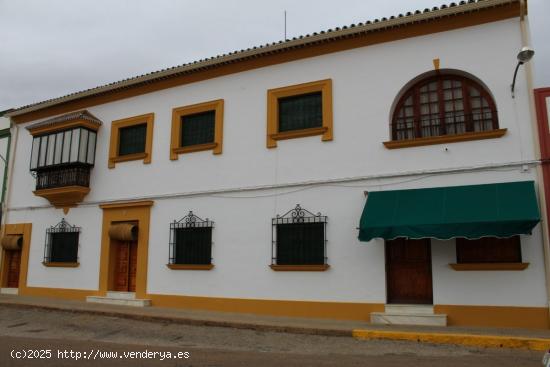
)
(524, 56)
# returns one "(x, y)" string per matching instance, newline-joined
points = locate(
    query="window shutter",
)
(132, 139)
(193, 245)
(64, 247)
(300, 244)
(198, 128)
(300, 112)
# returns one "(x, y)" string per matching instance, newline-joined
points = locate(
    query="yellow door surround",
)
(23, 229)
(136, 211)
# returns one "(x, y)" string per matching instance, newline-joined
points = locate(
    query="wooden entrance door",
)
(125, 266)
(409, 271)
(13, 263)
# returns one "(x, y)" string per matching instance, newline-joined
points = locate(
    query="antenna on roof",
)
(285, 26)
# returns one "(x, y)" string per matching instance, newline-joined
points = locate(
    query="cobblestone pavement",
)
(30, 329)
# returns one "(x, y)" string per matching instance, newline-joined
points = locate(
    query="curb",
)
(188, 321)
(487, 341)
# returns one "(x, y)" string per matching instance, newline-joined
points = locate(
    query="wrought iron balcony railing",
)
(63, 176)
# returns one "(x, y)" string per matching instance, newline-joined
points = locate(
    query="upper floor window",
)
(304, 111)
(131, 139)
(299, 241)
(62, 154)
(197, 127)
(64, 148)
(444, 105)
(298, 111)
(191, 243)
(61, 245)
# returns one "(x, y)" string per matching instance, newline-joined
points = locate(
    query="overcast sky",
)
(55, 47)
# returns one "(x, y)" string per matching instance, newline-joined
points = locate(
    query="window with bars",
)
(191, 241)
(132, 139)
(443, 105)
(198, 128)
(299, 238)
(488, 250)
(300, 112)
(61, 243)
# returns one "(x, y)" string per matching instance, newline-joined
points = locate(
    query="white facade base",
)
(120, 299)
(9, 291)
(408, 315)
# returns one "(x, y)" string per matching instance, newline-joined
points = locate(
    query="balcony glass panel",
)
(91, 148)
(83, 146)
(66, 146)
(74, 146)
(58, 148)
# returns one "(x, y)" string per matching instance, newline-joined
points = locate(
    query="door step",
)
(408, 315)
(120, 299)
(121, 295)
(9, 291)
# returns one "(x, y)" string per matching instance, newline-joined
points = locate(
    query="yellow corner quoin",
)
(273, 96)
(491, 341)
(177, 113)
(116, 125)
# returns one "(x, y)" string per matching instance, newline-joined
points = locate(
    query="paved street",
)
(89, 336)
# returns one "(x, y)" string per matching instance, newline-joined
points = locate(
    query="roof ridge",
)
(273, 47)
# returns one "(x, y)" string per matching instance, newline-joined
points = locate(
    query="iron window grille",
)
(300, 112)
(299, 238)
(61, 243)
(132, 139)
(191, 241)
(198, 128)
(443, 105)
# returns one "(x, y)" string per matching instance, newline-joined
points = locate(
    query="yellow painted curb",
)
(495, 341)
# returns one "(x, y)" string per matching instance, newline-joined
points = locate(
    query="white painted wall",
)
(365, 83)
(363, 96)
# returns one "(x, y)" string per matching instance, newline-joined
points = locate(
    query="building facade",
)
(237, 183)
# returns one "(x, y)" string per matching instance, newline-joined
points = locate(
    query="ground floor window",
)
(488, 250)
(191, 241)
(61, 243)
(299, 238)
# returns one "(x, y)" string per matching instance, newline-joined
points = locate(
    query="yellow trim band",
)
(494, 341)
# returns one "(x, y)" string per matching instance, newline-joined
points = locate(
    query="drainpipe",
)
(525, 39)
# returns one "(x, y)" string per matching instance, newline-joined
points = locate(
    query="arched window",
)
(443, 105)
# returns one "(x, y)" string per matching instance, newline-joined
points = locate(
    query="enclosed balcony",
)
(62, 156)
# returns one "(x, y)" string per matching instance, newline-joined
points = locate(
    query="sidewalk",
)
(534, 339)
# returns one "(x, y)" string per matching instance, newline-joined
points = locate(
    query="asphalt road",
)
(49, 337)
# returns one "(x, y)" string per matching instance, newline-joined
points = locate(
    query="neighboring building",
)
(238, 183)
(4, 153)
(540, 31)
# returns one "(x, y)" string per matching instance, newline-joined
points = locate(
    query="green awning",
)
(494, 210)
